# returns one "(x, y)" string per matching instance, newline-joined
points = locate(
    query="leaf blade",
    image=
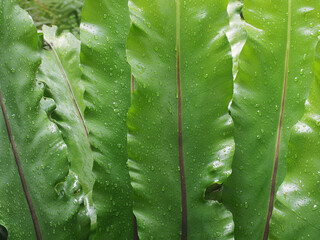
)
(154, 123)
(297, 201)
(41, 148)
(59, 70)
(259, 94)
(107, 79)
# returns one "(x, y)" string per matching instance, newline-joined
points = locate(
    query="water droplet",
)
(259, 113)
(301, 71)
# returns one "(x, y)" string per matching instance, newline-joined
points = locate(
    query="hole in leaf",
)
(214, 192)
(3, 233)
(241, 15)
(76, 192)
(46, 45)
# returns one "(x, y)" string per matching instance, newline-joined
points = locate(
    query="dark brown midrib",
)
(184, 215)
(276, 160)
(20, 171)
(69, 87)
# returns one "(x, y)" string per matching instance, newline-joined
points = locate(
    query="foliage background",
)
(63, 13)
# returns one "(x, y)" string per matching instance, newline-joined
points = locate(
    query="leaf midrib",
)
(64, 74)
(277, 153)
(20, 171)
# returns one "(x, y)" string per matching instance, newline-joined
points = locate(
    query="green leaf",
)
(41, 174)
(61, 74)
(296, 212)
(275, 74)
(180, 58)
(236, 32)
(107, 78)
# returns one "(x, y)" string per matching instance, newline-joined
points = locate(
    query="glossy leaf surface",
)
(39, 144)
(181, 60)
(296, 213)
(59, 68)
(107, 78)
(236, 32)
(275, 73)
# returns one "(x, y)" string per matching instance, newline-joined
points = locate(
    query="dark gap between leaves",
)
(214, 192)
(3, 233)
